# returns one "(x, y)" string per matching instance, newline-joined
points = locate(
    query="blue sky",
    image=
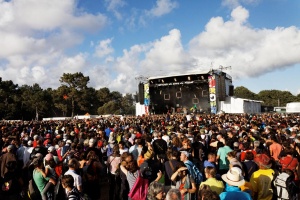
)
(115, 41)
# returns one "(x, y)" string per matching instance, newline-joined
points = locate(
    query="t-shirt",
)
(289, 162)
(214, 184)
(131, 178)
(77, 178)
(222, 152)
(261, 183)
(233, 192)
(275, 150)
(39, 180)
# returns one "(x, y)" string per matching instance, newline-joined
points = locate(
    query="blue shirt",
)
(233, 192)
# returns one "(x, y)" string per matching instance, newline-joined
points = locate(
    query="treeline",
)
(72, 98)
(270, 98)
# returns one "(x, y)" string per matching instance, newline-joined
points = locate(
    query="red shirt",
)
(243, 154)
(289, 162)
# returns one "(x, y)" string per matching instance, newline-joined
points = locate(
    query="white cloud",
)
(250, 52)
(114, 5)
(235, 3)
(104, 48)
(33, 51)
(167, 54)
(162, 7)
(35, 36)
(73, 64)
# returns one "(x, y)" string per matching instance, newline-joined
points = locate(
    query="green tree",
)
(34, 100)
(9, 101)
(245, 93)
(276, 97)
(103, 95)
(76, 84)
(127, 104)
(110, 107)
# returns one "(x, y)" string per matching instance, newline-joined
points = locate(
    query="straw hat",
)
(234, 177)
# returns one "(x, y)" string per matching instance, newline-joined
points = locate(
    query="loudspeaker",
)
(167, 97)
(141, 93)
(178, 95)
(195, 100)
(231, 90)
(222, 89)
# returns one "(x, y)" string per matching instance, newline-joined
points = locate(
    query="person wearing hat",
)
(261, 179)
(234, 180)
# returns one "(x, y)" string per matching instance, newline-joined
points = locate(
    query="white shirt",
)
(77, 178)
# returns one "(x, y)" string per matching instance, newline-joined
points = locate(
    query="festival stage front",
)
(185, 93)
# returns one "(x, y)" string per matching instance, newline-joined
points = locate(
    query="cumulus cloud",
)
(33, 51)
(251, 52)
(162, 7)
(35, 35)
(104, 48)
(167, 54)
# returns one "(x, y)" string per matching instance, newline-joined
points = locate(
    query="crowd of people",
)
(171, 156)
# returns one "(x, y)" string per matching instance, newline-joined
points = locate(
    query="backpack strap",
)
(172, 166)
(290, 162)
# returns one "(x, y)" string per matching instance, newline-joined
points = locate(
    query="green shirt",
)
(39, 180)
(222, 152)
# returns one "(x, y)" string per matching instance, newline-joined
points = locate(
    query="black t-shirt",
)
(170, 168)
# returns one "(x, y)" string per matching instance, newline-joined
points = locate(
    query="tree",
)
(242, 92)
(76, 84)
(9, 101)
(34, 100)
(276, 97)
(103, 95)
(110, 107)
(127, 104)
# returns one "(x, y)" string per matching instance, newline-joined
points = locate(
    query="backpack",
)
(75, 195)
(147, 173)
(194, 172)
(285, 187)
(33, 191)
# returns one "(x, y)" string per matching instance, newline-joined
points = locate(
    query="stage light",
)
(189, 78)
(202, 77)
(162, 80)
(175, 79)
